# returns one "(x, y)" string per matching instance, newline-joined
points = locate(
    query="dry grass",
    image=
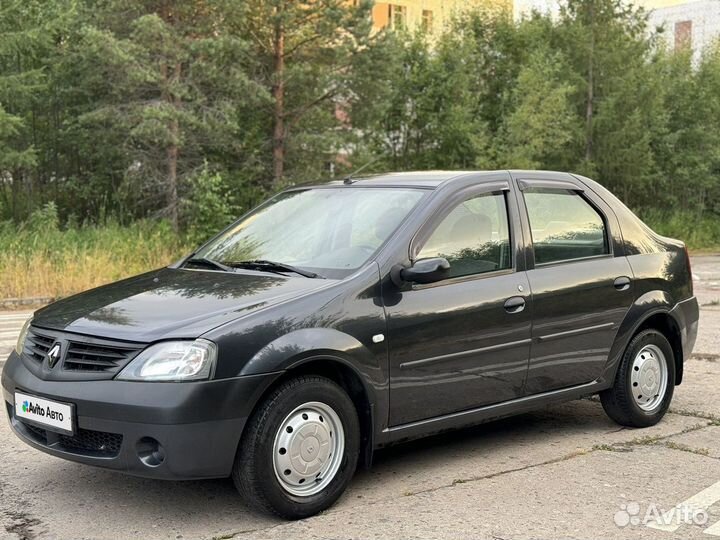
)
(42, 261)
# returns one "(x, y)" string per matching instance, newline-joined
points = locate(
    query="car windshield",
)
(332, 231)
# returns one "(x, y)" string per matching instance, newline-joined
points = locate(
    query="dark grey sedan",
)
(340, 318)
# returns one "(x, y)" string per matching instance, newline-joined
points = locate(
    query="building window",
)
(683, 34)
(427, 20)
(398, 16)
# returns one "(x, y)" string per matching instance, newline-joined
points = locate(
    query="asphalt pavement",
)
(565, 471)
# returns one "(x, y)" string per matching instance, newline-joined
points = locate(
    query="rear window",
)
(564, 226)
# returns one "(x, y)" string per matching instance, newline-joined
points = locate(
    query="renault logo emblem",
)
(53, 355)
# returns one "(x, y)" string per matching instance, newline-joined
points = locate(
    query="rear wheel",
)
(644, 383)
(300, 449)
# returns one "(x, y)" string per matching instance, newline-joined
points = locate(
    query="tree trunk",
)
(278, 92)
(172, 151)
(171, 75)
(15, 187)
(590, 89)
(172, 191)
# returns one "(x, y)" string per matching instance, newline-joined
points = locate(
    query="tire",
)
(648, 360)
(311, 416)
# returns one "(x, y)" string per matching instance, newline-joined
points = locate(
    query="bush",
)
(210, 208)
(215, 201)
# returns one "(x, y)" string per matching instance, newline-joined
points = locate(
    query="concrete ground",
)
(562, 472)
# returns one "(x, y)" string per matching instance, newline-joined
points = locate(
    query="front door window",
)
(474, 237)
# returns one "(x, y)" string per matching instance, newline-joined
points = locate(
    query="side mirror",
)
(426, 270)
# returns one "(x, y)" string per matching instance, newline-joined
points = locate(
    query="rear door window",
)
(564, 226)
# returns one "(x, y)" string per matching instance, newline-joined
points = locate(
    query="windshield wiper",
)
(208, 263)
(272, 266)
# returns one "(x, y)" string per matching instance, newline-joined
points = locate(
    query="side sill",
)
(422, 428)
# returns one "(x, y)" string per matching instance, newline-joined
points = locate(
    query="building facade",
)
(431, 15)
(524, 8)
(694, 25)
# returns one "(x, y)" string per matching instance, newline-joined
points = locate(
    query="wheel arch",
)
(665, 323)
(332, 367)
(651, 310)
(352, 382)
(332, 354)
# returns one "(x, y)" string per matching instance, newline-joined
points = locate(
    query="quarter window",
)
(564, 226)
(474, 237)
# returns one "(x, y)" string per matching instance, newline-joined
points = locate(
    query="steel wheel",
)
(308, 449)
(649, 377)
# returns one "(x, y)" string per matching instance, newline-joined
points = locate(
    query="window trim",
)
(570, 261)
(561, 185)
(527, 184)
(429, 226)
(462, 279)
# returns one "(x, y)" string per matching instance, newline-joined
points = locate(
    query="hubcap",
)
(649, 378)
(308, 449)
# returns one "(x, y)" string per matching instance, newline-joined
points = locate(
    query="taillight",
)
(689, 268)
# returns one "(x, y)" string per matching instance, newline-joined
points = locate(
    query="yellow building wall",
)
(442, 11)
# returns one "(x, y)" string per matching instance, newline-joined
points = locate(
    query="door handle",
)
(622, 283)
(514, 304)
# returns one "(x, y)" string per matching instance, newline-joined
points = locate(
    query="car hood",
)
(171, 303)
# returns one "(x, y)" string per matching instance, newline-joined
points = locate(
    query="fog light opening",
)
(150, 452)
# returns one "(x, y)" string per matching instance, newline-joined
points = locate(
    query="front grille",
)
(86, 442)
(98, 442)
(97, 358)
(37, 344)
(40, 433)
(88, 357)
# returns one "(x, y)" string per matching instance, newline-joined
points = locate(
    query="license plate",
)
(45, 413)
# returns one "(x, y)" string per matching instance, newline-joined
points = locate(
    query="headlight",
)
(172, 361)
(23, 334)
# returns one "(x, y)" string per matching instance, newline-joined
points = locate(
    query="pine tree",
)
(28, 32)
(172, 75)
(306, 49)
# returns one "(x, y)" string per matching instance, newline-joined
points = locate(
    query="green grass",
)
(699, 232)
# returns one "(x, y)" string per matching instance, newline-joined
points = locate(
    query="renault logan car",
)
(339, 318)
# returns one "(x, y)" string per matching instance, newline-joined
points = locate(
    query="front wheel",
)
(300, 449)
(644, 382)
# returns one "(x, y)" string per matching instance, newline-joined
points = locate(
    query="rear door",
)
(580, 280)
(462, 342)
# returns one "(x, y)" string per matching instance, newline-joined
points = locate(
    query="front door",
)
(581, 288)
(462, 342)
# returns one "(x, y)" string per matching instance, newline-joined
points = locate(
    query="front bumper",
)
(197, 424)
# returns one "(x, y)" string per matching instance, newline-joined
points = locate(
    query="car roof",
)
(426, 179)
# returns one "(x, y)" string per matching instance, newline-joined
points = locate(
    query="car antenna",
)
(349, 178)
